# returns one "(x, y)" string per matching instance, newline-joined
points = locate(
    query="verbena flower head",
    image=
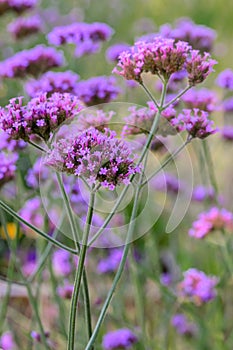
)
(51, 82)
(120, 339)
(114, 51)
(18, 6)
(96, 118)
(98, 157)
(140, 119)
(111, 262)
(7, 341)
(7, 167)
(225, 79)
(86, 36)
(199, 66)
(197, 287)
(195, 121)
(7, 144)
(203, 99)
(227, 133)
(41, 116)
(161, 57)
(227, 105)
(214, 219)
(25, 26)
(33, 62)
(97, 90)
(202, 193)
(200, 37)
(183, 326)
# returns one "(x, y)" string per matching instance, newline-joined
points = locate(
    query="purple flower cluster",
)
(114, 51)
(7, 167)
(161, 57)
(87, 37)
(65, 291)
(62, 263)
(183, 326)
(202, 193)
(7, 144)
(25, 26)
(200, 37)
(227, 133)
(41, 116)
(225, 79)
(167, 182)
(197, 287)
(203, 99)
(35, 175)
(97, 90)
(140, 120)
(199, 67)
(228, 105)
(7, 341)
(195, 122)
(97, 119)
(120, 339)
(18, 6)
(98, 157)
(33, 62)
(214, 219)
(111, 262)
(51, 82)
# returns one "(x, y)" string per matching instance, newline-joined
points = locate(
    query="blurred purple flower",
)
(120, 339)
(113, 52)
(97, 119)
(225, 79)
(51, 82)
(183, 326)
(203, 99)
(111, 262)
(167, 182)
(7, 167)
(61, 260)
(65, 291)
(6, 143)
(97, 90)
(33, 62)
(228, 105)
(25, 26)
(7, 341)
(227, 133)
(36, 175)
(197, 287)
(86, 36)
(18, 6)
(202, 193)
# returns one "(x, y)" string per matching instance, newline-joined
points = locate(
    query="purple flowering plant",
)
(76, 169)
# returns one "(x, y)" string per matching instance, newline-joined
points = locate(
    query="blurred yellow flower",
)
(11, 231)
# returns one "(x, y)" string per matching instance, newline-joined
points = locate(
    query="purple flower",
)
(31, 212)
(97, 90)
(120, 339)
(62, 263)
(7, 341)
(183, 326)
(202, 193)
(89, 153)
(41, 116)
(214, 219)
(18, 6)
(7, 167)
(228, 105)
(198, 36)
(51, 82)
(203, 99)
(35, 175)
(114, 51)
(86, 36)
(7, 144)
(195, 122)
(65, 291)
(225, 79)
(199, 66)
(111, 262)
(161, 57)
(97, 119)
(197, 287)
(167, 182)
(33, 62)
(227, 133)
(37, 336)
(25, 26)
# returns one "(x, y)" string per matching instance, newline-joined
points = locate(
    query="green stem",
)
(79, 273)
(37, 146)
(177, 97)
(210, 168)
(120, 268)
(41, 233)
(75, 232)
(167, 161)
(150, 95)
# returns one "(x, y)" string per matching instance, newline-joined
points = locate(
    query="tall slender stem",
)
(177, 97)
(210, 167)
(150, 95)
(79, 273)
(75, 232)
